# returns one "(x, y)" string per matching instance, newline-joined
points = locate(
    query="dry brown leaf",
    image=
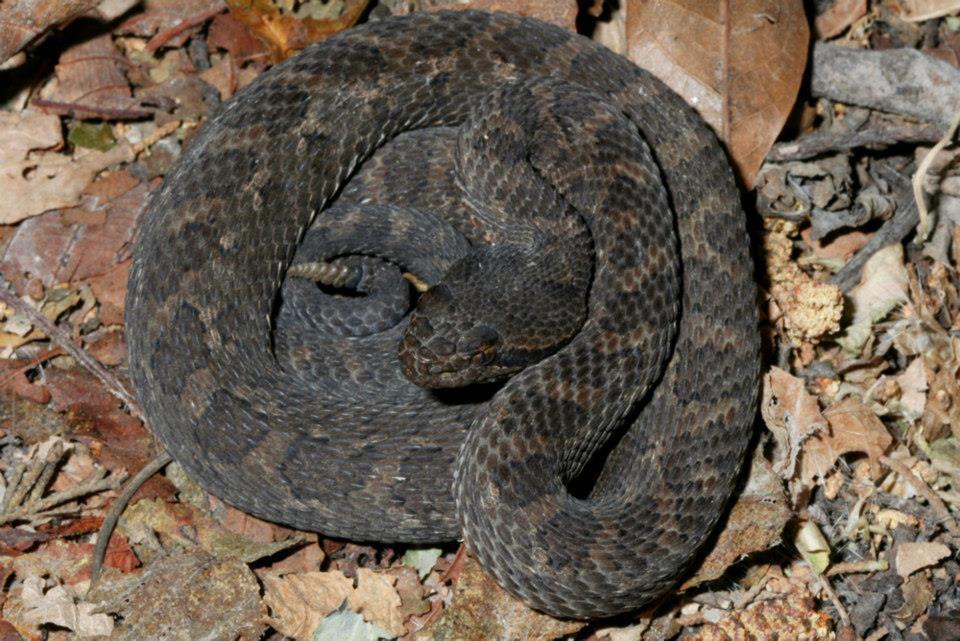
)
(231, 35)
(481, 609)
(910, 557)
(852, 428)
(298, 602)
(287, 34)
(739, 64)
(81, 243)
(918, 594)
(411, 592)
(792, 414)
(171, 22)
(377, 600)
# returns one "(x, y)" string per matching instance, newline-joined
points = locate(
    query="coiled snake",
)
(591, 306)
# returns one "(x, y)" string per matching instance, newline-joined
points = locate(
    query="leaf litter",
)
(846, 526)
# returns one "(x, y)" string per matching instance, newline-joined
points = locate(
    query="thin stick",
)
(842, 611)
(117, 508)
(62, 338)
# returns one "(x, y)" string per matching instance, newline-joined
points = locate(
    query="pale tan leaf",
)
(57, 607)
(883, 285)
(910, 557)
(49, 180)
(913, 388)
(377, 600)
(298, 602)
(882, 288)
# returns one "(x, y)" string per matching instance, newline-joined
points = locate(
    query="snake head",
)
(445, 347)
(495, 312)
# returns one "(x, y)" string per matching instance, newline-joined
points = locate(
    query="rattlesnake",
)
(593, 253)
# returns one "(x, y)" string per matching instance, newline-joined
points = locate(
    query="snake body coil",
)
(588, 248)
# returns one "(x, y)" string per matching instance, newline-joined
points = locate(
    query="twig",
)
(34, 479)
(893, 231)
(62, 338)
(842, 611)
(856, 567)
(877, 634)
(902, 81)
(925, 491)
(924, 228)
(164, 37)
(116, 509)
(818, 143)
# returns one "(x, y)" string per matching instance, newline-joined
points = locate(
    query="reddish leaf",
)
(79, 243)
(90, 83)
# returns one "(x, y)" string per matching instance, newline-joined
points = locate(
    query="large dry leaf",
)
(883, 287)
(79, 244)
(738, 63)
(377, 600)
(299, 602)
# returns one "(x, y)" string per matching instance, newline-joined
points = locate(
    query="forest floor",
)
(841, 124)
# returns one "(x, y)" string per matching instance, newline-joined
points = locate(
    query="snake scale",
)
(574, 392)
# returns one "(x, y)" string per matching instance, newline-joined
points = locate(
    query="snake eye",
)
(479, 344)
